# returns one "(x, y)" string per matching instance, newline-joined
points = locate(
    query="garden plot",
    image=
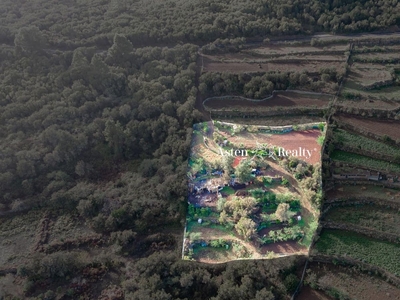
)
(258, 194)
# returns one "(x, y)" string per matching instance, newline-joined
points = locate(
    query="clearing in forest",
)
(254, 191)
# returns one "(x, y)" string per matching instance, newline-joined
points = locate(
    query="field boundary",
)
(235, 97)
(377, 234)
(336, 259)
(358, 201)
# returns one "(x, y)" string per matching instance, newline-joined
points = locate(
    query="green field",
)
(368, 250)
(383, 93)
(371, 216)
(365, 161)
(360, 142)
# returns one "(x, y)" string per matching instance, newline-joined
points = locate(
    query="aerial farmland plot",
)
(254, 191)
(286, 100)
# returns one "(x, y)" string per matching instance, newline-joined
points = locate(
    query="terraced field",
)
(371, 216)
(348, 244)
(365, 161)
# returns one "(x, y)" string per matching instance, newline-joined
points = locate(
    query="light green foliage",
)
(246, 227)
(360, 142)
(243, 171)
(372, 251)
(365, 161)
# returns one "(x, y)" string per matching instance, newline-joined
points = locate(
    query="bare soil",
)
(275, 121)
(352, 283)
(369, 104)
(366, 74)
(307, 293)
(287, 99)
(361, 190)
(281, 49)
(288, 247)
(291, 140)
(378, 127)
(378, 55)
(251, 65)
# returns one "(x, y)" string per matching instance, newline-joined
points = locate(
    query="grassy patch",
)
(228, 190)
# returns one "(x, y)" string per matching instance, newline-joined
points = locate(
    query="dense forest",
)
(76, 23)
(96, 111)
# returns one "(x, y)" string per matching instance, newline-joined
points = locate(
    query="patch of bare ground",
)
(283, 50)
(307, 293)
(375, 126)
(11, 287)
(17, 237)
(368, 104)
(285, 100)
(291, 140)
(350, 282)
(275, 120)
(288, 247)
(256, 65)
(68, 227)
(367, 74)
(359, 191)
(377, 56)
(313, 58)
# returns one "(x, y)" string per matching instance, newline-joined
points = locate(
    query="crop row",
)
(358, 141)
(365, 161)
(377, 218)
(343, 243)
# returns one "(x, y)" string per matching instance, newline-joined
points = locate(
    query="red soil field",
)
(289, 141)
(287, 99)
(379, 127)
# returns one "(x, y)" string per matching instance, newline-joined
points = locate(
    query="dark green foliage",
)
(70, 24)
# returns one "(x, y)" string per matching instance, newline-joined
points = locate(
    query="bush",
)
(291, 282)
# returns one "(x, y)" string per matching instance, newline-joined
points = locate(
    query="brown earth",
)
(289, 141)
(378, 127)
(281, 49)
(366, 74)
(368, 104)
(252, 65)
(287, 99)
(307, 293)
(352, 283)
(359, 191)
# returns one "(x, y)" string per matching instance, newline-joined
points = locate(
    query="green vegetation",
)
(365, 161)
(228, 190)
(356, 246)
(284, 234)
(360, 142)
(371, 216)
